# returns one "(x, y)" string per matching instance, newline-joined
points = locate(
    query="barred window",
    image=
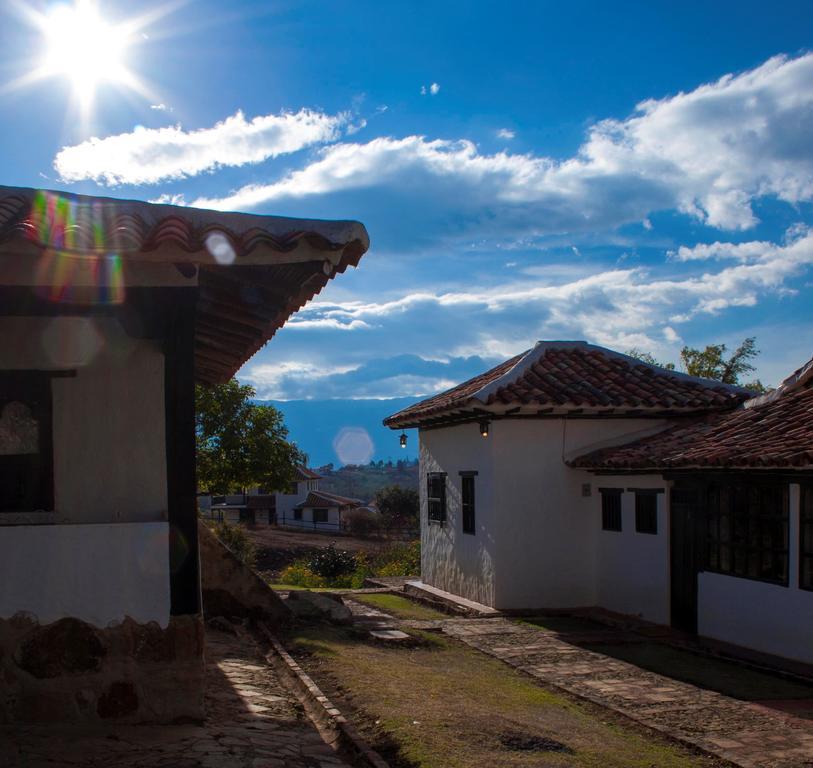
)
(436, 497)
(610, 509)
(467, 501)
(747, 531)
(646, 511)
(806, 538)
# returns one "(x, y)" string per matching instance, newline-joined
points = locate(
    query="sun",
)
(83, 48)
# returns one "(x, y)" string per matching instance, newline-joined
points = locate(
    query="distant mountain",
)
(347, 431)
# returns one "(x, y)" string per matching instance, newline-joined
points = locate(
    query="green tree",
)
(646, 357)
(398, 506)
(241, 444)
(712, 363)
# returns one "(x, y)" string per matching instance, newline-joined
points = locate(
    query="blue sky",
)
(637, 175)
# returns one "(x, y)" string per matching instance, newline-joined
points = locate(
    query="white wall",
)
(333, 520)
(632, 569)
(96, 573)
(767, 617)
(108, 420)
(285, 502)
(547, 535)
(458, 562)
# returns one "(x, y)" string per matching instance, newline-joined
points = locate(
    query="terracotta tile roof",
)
(772, 431)
(325, 499)
(563, 376)
(303, 473)
(272, 266)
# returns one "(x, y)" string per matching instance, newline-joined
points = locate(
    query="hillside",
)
(318, 427)
(362, 482)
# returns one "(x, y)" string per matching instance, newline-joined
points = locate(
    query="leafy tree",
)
(399, 506)
(240, 443)
(711, 363)
(646, 357)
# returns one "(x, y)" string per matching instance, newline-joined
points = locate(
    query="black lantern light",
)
(403, 439)
(484, 428)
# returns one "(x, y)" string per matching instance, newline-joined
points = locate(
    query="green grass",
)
(719, 675)
(439, 703)
(292, 587)
(400, 607)
(563, 624)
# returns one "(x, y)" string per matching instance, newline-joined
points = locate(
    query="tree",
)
(398, 506)
(711, 363)
(646, 357)
(240, 443)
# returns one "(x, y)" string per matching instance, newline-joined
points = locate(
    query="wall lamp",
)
(403, 439)
(484, 428)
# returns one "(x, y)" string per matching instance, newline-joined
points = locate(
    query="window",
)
(747, 531)
(297, 514)
(26, 452)
(467, 501)
(806, 537)
(646, 510)
(436, 497)
(319, 515)
(610, 509)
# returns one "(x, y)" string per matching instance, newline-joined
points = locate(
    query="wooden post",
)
(179, 402)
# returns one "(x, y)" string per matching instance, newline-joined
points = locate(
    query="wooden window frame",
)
(436, 503)
(737, 525)
(806, 535)
(607, 514)
(33, 389)
(468, 496)
(646, 519)
(320, 510)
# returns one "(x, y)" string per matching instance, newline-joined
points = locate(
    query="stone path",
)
(252, 721)
(748, 735)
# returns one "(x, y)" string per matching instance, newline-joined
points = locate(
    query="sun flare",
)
(82, 47)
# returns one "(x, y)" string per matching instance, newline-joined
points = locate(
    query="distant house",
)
(573, 476)
(110, 312)
(306, 480)
(321, 511)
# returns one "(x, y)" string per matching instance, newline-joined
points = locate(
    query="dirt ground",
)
(278, 548)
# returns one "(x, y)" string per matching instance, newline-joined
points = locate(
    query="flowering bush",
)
(332, 563)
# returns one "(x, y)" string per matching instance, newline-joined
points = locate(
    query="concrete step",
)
(451, 602)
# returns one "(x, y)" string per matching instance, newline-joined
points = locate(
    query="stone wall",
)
(71, 671)
(232, 589)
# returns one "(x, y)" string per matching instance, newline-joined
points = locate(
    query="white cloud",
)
(708, 153)
(434, 89)
(506, 133)
(619, 307)
(150, 155)
(161, 107)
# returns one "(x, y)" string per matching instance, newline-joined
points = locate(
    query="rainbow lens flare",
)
(78, 265)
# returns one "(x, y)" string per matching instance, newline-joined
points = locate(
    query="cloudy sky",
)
(638, 176)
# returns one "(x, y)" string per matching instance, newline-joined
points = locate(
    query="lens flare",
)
(78, 264)
(353, 445)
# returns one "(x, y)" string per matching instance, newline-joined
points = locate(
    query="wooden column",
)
(179, 400)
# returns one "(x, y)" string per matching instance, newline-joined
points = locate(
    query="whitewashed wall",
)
(632, 569)
(458, 562)
(97, 573)
(108, 420)
(287, 501)
(332, 524)
(769, 618)
(547, 535)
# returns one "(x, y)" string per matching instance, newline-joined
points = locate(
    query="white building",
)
(321, 511)
(519, 511)
(110, 312)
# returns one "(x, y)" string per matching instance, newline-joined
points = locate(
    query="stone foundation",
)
(71, 671)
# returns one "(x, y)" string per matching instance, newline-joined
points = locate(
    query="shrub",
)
(399, 506)
(331, 563)
(236, 540)
(362, 522)
(399, 560)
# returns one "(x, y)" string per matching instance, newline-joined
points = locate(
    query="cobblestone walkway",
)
(747, 734)
(252, 721)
